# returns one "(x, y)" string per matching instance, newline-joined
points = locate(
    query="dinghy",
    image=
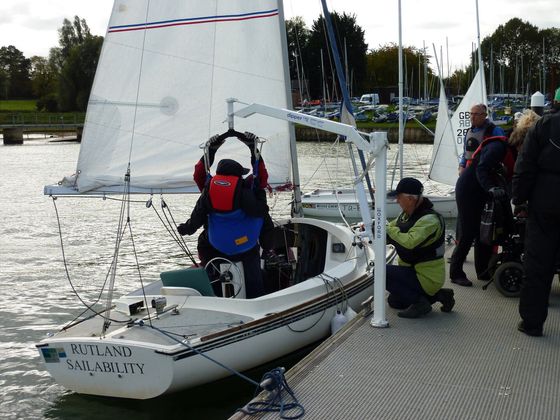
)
(166, 77)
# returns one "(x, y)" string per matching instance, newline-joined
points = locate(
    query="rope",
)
(275, 383)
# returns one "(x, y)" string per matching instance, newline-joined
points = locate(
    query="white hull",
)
(138, 361)
(326, 203)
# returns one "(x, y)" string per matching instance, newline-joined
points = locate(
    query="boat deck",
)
(200, 323)
(471, 363)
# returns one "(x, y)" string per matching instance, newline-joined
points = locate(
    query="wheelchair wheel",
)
(507, 278)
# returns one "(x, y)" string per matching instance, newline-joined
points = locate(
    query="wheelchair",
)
(506, 265)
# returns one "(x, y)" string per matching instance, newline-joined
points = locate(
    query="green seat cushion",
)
(196, 278)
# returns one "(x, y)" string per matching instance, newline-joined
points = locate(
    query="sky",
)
(450, 25)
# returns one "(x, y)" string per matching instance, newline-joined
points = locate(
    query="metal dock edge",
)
(471, 363)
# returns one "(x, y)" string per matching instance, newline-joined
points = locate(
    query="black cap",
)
(407, 186)
(231, 167)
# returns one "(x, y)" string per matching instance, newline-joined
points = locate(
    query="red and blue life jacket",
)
(508, 161)
(230, 230)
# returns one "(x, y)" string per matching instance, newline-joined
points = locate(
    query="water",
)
(37, 297)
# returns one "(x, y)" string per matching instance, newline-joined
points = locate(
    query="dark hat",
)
(231, 167)
(471, 144)
(407, 186)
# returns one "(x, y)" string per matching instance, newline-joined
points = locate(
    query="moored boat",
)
(143, 137)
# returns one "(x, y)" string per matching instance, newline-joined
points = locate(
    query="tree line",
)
(60, 82)
(518, 58)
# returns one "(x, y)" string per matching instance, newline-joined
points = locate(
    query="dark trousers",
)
(542, 245)
(404, 287)
(254, 286)
(469, 226)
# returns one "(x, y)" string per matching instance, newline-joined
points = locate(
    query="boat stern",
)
(107, 368)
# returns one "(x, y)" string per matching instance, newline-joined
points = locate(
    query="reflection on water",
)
(37, 297)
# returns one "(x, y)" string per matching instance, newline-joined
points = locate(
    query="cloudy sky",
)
(31, 25)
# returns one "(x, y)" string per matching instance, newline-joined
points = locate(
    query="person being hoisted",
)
(232, 213)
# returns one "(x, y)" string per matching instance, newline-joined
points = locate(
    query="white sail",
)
(444, 155)
(450, 132)
(165, 71)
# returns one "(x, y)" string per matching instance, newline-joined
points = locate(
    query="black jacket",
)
(536, 178)
(477, 179)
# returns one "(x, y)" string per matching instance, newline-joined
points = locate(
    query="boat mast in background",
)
(296, 205)
(401, 113)
(480, 63)
(346, 111)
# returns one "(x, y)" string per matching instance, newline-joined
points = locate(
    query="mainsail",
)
(450, 132)
(165, 71)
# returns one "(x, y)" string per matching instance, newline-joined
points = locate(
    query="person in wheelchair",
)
(232, 215)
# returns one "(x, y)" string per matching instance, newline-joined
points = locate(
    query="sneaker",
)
(416, 310)
(462, 281)
(533, 332)
(446, 297)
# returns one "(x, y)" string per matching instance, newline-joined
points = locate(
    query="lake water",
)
(37, 297)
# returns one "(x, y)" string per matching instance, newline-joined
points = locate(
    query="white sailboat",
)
(331, 203)
(164, 75)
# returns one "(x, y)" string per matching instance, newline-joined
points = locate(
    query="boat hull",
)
(142, 369)
(326, 204)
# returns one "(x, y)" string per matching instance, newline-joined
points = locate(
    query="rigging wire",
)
(65, 263)
(125, 209)
(171, 227)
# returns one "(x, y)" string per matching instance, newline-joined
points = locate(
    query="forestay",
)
(165, 71)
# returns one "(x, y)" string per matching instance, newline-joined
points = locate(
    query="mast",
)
(346, 65)
(480, 63)
(346, 108)
(401, 113)
(447, 56)
(543, 89)
(425, 56)
(296, 206)
(324, 84)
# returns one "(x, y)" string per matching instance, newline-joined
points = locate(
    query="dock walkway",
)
(471, 363)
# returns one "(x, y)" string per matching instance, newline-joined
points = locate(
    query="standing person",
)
(477, 181)
(418, 236)
(536, 184)
(481, 128)
(232, 216)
